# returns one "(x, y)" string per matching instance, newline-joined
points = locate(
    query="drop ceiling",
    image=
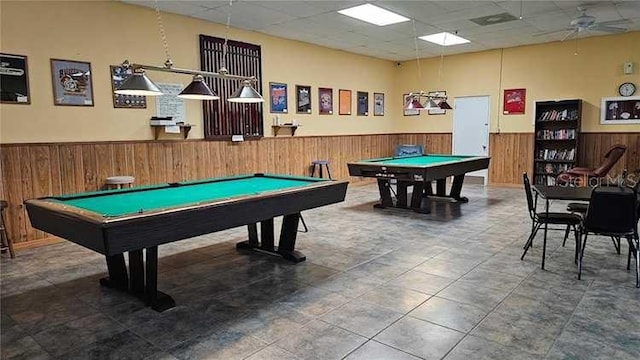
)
(317, 22)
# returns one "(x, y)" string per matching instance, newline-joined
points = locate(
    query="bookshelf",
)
(557, 133)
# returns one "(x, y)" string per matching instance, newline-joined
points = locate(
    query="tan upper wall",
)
(105, 33)
(548, 71)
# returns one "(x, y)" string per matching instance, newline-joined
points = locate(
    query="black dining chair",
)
(612, 212)
(571, 221)
(581, 209)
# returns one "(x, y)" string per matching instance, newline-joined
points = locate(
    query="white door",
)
(471, 129)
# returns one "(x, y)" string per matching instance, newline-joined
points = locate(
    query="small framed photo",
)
(303, 99)
(378, 104)
(14, 79)
(72, 83)
(344, 102)
(118, 75)
(406, 101)
(363, 103)
(278, 95)
(325, 101)
(620, 110)
(514, 101)
(436, 94)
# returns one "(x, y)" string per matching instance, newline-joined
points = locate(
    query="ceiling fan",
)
(586, 22)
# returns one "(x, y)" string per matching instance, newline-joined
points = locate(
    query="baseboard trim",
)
(37, 243)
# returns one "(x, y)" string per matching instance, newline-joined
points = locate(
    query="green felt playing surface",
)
(122, 202)
(418, 160)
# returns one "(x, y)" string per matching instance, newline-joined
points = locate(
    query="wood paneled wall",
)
(34, 170)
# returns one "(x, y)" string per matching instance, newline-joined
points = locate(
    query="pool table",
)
(139, 219)
(418, 171)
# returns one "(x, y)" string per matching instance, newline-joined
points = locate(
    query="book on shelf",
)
(562, 134)
(556, 154)
(559, 115)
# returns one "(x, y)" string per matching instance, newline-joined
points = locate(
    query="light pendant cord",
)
(163, 36)
(225, 46)
(521, 6)
(415, 42)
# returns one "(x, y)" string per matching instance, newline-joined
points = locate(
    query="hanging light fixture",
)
(432, 100)
(140, 84)
(198, 90)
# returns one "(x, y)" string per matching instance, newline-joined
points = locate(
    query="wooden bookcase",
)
(557, 134)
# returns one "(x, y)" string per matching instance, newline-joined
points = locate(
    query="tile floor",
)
(377, 284)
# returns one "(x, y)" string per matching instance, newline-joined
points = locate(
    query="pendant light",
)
(198, 90)
(246, 94)
(138, 84)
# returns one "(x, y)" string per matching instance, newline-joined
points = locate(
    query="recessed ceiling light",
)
(445, 39)
(374, 15)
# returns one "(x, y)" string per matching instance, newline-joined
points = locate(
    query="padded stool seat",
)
(319, 163)
(7, 243)
(118, 182)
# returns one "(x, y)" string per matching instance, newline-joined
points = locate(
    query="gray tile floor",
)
(377, 284)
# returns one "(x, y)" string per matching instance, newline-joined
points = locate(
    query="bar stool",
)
(319, 163)
(118, 182)
(7, 243)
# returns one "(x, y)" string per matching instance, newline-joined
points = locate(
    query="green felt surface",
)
(122, 202)
(418, 160)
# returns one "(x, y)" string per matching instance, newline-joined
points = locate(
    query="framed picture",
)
(437, 111)
(514, 101)
(72, 83)
(14, 79)
(620, 110)
(118, 75)
(303, 99)
(278, 94)
(406, 100)
(378, 104)
(363, 103)
(344, 99)
(325, 101)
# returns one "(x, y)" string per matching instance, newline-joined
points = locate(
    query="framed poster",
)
(72, 84)
(406, 101)
(514, 101)
(278, 94)
(118, 75)
(378, 104)
(344, 102)
(437, 111)
(363, 103)
(303, 99)
(14, 79)
(620, 110)
(325, 101)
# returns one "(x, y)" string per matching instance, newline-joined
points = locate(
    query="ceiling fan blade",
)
(613, 22)
(553, 32)
(575, 31)
(609, 29)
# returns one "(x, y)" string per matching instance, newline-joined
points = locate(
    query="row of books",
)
(564, 134)
(551, 169)
(559, 115)
(556, 154)
(545, 180)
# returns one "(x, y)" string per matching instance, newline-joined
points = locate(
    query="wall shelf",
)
(159, 130)
(276, 128)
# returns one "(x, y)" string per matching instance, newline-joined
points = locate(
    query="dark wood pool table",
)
(139, 219)
(418, 171)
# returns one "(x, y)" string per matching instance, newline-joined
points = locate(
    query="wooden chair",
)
(7, 243)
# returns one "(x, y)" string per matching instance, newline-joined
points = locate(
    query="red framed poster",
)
(514, 101)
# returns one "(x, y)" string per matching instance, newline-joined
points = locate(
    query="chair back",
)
(408, 150)
(610, 159)
(612, 210)
(527, 190)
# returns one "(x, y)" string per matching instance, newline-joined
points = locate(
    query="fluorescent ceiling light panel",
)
(374, 15)
(445, 39)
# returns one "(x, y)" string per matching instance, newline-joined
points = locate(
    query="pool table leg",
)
(118, 278)
(286, 245)
(417, 199)
(288, 234)
(158, 300)
(385, 194)
(456, 187)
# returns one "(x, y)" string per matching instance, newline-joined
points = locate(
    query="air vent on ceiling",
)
(493, 19)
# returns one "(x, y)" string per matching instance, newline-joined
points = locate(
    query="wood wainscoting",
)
(35, 170)
(593, 146)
